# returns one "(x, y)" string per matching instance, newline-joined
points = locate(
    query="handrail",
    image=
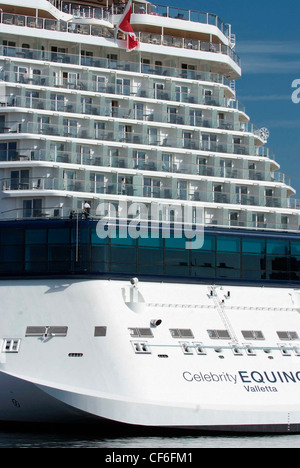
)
(185, 94)
(89, 106)
(93, 30)
(76, 128)
(51, 213)
(152, 161)
(145, 8)
(163, 71)
(150, 187)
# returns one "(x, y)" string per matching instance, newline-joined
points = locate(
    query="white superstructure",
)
(125, 331)
(79, 113)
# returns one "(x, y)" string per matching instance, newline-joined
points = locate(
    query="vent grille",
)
(58, 331)
(100, 331)
(46, 331)
(253, 335)
(288, 335)
(219, 334)
(35, 331)
(145, 332)
(141, 332)
(181, 333)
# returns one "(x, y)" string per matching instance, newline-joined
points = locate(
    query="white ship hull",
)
(166, 382)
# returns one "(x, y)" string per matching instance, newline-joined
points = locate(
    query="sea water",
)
(167, 447)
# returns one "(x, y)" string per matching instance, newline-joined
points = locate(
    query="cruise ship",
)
(149, 244)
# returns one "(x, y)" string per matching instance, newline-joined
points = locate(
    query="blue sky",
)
(268, 43)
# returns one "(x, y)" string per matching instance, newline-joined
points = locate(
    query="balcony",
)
(76, 128)
(98, 31)
(101, 62)
(150, 187)
(105, 13)
(143, 161)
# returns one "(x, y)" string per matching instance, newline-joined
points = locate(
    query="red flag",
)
(125, 26)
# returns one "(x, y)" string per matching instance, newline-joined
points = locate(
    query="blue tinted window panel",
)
(59, 236)
(255, 246)
(58, 253)
(173, 243)
(203, 272)
(84, 252)
(254, 262)
(228, 273)
(295, 263)
(99, 254)
(275, 246)
(59, 267)
(177, 257)
(226, 260)
(150, 256)
(36, 253)
(11, 253)
(203, 259)
(150, 242)
(295, 276)
(174, 270)
(278, 263)
(11, 267)
(150, 269)
(95, 239)
(295, 248)
(123, 268)
(122, 254)
(82, 236)
(12, 236)
(252, 275)
(278, 275)
(36, 267)
(228, 244)
(123, 241)
(36, 236)
(99, 267)
(209, 243)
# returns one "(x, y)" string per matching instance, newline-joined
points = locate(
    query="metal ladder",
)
(220, 308)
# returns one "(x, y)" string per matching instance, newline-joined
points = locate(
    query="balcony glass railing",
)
(149, 188)
(219, 220)
(153, 161)
(94, 30)
(154, 137)
(105, 13)
(89, 106)
(97, 62)
(120, 85)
